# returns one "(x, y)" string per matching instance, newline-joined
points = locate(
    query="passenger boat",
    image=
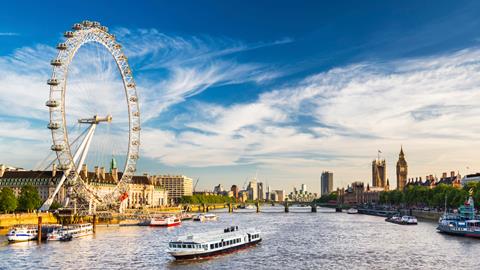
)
(22, 233)
(185, 216)
(212, 243)
(402, 220)
(66, 237)
(165, 221)
(352, 211)
(205, 217)
(464, 223)
(75, 230)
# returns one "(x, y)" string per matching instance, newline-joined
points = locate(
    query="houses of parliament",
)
(379, 173)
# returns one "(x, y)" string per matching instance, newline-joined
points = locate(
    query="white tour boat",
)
(22, 233)
(352, 211)
(402, 220)
(212, 243)
(205, 217)
(75, 230)
(165, 221)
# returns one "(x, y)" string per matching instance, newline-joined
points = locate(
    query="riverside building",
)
(176, 185)
(326, 183)
(379, 173)
(402, 171)
(252, 190)
(143, 190)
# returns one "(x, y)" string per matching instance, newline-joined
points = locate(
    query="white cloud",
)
(338, 119)
(168, 69)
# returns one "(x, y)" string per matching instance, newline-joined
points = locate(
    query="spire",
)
(113, 164)
(401, 151)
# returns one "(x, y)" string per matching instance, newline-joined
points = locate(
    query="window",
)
(211, 246)
(189, 246)
(216, 245)
(184, 246)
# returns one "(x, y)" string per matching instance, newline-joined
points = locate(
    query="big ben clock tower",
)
(402, 171)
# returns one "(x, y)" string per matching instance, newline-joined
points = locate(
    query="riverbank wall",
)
(420, 214)
(9, 220)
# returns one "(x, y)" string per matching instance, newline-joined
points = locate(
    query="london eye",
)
(94, 115)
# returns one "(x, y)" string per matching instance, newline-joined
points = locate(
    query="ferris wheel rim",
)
(84, 33)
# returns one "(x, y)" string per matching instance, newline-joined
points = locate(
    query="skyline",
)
(322, 90)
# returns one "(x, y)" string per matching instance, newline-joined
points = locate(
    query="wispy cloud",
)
(427, 104)
(168, 70)
(8, 34)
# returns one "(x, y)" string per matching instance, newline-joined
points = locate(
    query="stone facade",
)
(357, 193)
(379, 173)
(402, 171)
(143, 190)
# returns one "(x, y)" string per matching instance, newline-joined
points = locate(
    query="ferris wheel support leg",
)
(85, 143)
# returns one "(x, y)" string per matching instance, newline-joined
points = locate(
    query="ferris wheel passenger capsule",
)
(52, 103)
(133, 99)
(57, 147)
(87, 23)
(131, 85)
(136, 114)
(136, 128)
(95, 24)
(68, 34)
(104, 28)
(61, 46)
(53, 82)
(77, 26)
(53, 125)
(56, 62)
(117, 46)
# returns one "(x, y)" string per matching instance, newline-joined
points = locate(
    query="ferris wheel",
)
(85, 111)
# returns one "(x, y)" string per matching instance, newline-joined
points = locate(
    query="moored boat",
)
(352, 211)
(205, 217)
(75, 230)
(213, 243)
(464, 223)
(402, 220)
(185, 216)
(165, 221)
(22, 233)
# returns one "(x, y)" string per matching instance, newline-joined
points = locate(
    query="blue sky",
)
(283, 89)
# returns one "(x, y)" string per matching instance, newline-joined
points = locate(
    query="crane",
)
(196, 182)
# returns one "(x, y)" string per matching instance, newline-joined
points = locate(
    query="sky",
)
(281, 90)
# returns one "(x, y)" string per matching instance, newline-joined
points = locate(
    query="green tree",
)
(55, 206)
(29, 199)
(8, 201)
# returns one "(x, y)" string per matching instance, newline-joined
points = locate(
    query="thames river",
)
(322, 240)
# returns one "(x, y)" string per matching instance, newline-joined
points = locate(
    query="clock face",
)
(402, 169)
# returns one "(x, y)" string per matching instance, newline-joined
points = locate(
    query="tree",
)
(29, 199)
(8, 201)
(55, 205)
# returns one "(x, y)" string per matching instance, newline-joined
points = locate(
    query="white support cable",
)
(46, 205)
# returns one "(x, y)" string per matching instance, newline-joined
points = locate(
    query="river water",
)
(295, 240)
